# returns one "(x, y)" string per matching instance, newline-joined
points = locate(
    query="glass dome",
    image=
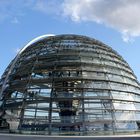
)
(69, 84)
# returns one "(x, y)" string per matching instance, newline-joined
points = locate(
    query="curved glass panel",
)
(69, 84)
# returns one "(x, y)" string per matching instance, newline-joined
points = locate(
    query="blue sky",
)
(114, 22)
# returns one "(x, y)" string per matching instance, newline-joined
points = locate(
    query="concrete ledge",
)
(43, 137)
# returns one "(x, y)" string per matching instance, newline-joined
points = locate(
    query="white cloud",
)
(122, 15)
(16, 50)
(12, 9)
(15, 20)
(48, 6)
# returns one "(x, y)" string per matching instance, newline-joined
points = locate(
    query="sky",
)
(114, 22)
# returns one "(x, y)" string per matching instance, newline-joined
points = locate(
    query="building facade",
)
(69, 84)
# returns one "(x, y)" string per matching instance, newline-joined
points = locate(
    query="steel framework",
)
(69, 83)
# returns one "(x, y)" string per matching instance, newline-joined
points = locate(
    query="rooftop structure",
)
(69, 84)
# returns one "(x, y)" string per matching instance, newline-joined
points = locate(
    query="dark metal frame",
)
(69, 83)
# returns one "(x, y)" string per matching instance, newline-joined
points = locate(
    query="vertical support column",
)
(50, 105)
(36, 104)
(110, 103)
(22, 110)
(50, 113)
(83, 111)
(21, 116)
